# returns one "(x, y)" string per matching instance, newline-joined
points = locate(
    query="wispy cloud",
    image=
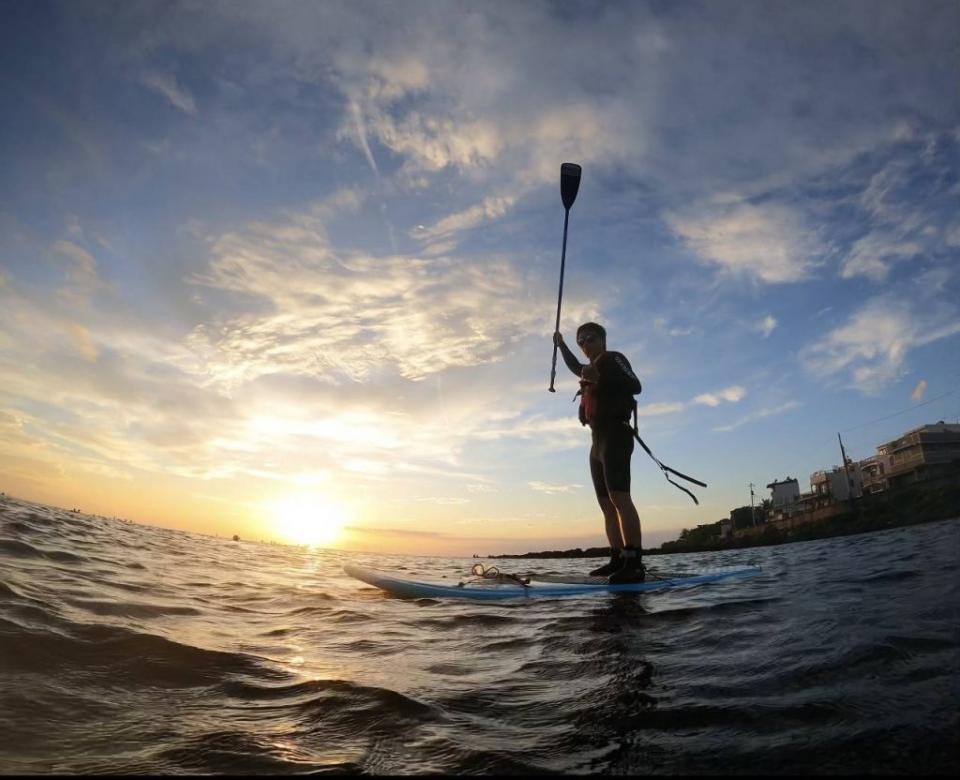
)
(757, 415)
(731, 394)
(909, 207)
(872, 255)
(663, 326)
(361, 136)
(166, 85)
(766, 325)
(491, 208)
(659, 408)
(335, 314)
(82, 277)
(873, 344)
(553, 489)
(919, 391)
(768, 243)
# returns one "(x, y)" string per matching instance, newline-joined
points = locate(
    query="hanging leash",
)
(635, 429)
(663, 468)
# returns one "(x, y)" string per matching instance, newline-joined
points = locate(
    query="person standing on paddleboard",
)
(607, 387)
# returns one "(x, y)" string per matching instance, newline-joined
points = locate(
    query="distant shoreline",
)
(758, 541)
(911, 505)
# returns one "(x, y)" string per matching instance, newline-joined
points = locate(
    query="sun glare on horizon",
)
(307, 519)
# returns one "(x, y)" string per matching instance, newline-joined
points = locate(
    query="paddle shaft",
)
(563, 262)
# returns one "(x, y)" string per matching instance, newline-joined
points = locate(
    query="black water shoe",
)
(631, 570)
(608, 568)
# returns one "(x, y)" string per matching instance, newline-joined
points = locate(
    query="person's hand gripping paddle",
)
(569, 184)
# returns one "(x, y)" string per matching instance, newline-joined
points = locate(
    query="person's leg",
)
(632, 568)
(628, 519)
(611, 520)
(611, 523)
(616, 455)
(615, 448)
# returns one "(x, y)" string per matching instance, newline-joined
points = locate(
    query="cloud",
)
(908, 206)
(871, 347)
(83, 340)
(82, 272)
(167, 86)
(430, 144)
(758, 415)
(361, 136)
(556, 434)
(662, 407)
(444, 500)
(491, 208)
(731, 394)
(351, 315)
(870, 256)
(768, 243)
(303, 309)
(552, 489)
(662, 326)
(919, 391)
(766, 325)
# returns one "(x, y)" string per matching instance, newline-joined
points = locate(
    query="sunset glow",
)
(306, 518)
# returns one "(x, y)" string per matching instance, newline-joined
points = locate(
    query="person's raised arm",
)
(569, 358)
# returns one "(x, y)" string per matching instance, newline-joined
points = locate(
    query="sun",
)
(307, 519)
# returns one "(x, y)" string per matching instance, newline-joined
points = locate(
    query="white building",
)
(839, 483)
(785, 492)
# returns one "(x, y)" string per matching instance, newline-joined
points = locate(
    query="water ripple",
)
(125, 648)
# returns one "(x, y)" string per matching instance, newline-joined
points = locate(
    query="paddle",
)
(569, 184)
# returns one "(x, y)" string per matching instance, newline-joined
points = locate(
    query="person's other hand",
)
(557, 339)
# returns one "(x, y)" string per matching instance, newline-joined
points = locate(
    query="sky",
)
(289, 270)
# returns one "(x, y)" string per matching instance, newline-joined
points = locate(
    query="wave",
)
(132, 609)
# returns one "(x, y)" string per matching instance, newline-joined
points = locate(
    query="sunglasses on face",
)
(587, 339)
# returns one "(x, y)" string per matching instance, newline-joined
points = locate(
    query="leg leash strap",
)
(664, 468)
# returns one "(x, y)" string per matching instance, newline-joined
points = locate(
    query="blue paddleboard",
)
(492, 589)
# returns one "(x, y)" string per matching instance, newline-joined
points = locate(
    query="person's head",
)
(592, 339)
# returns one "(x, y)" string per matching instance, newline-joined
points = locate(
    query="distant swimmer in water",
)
(607, 387)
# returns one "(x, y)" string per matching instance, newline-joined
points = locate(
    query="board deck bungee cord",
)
(508, 586)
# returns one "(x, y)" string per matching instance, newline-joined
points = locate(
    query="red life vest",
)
(588, 396)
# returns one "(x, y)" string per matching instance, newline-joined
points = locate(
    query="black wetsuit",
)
(608, 415)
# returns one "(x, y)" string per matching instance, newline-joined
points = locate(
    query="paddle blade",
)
(569, 183)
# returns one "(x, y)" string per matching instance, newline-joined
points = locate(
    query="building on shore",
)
(841, 483)
(873, 474)
(917, 455)
(784, 492)
(920, 454)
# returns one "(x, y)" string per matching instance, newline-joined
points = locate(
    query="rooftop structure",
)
(914, 456)
(785, 492)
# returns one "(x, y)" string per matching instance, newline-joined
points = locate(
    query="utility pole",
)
(846, 472)
(753, 514)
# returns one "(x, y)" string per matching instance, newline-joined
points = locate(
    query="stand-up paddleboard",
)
(489, 589)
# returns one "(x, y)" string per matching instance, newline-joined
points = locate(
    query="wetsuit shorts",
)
(610, 458)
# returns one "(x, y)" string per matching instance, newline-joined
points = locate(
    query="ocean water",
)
(131, 649)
